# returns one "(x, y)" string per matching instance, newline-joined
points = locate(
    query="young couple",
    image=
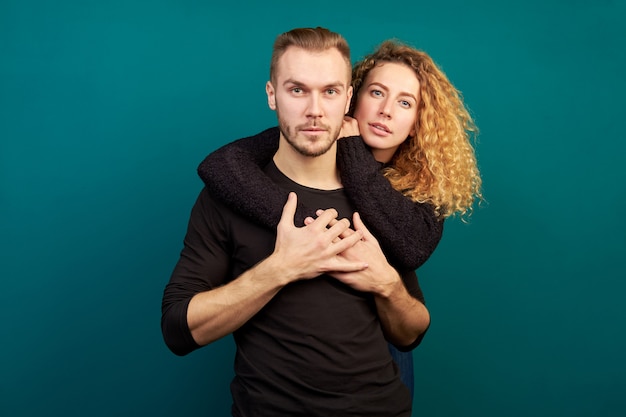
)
(304, 246)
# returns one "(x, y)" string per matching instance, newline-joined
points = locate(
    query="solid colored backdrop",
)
(106, 109)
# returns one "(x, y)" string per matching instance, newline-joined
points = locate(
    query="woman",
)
(430, 158)
(415, 131)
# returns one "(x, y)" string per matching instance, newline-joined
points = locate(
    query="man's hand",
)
(350, 127)
(403, 317)
(309, 251)
(380, 277)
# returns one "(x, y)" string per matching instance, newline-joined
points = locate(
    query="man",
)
(311, 307)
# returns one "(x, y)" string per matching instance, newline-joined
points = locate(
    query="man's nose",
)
(315, 106)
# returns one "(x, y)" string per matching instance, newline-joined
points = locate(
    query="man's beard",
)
(321, 146)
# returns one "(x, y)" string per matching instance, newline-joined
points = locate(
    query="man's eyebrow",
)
(336, 84)
(332, 84)
(293, 82)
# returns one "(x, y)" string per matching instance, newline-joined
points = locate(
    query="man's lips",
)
(313, 129)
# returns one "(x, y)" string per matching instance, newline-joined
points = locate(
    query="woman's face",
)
(386, 108)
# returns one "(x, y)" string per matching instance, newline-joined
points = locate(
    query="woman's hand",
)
(350, 127)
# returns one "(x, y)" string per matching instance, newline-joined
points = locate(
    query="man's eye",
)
(296, 90)
(331, 91)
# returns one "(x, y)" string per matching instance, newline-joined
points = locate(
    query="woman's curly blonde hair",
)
(438, 165)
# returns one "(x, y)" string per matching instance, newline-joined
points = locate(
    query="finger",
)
(325, 218)
(346, 232)
(339, 230)
(310, 220)
(347, 242)
(359, 225)
(348, 267)
(289, 210)
(331, 223)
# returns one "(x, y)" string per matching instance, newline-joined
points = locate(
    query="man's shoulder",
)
(268, 137)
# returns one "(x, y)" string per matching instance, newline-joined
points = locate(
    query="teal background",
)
(106, 108)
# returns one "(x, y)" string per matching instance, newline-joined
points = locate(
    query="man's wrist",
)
(391, 287)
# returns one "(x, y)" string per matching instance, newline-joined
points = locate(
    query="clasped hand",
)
(316, 248)
(328, 245)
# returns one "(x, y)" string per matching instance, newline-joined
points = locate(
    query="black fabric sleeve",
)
(203, 265)
(411, 283)
(409, 232)
(234, 174)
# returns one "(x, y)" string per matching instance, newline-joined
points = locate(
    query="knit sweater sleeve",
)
(408, 231)
(234, 175)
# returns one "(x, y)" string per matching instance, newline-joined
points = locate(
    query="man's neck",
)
(318, 172)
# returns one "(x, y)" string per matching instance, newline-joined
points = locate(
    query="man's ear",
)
(350, 92)
(271, 95)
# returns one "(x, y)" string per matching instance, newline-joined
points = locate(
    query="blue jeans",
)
(404, 360)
